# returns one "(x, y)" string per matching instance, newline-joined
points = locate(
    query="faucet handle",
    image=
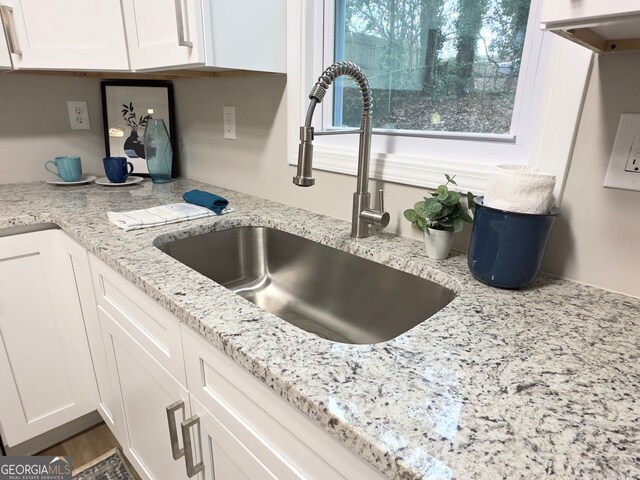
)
(376, 217)
(384, 216)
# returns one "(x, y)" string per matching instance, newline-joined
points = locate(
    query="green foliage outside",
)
(446, 65)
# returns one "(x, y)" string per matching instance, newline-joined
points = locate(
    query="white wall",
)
(34, 125)
(596, 239)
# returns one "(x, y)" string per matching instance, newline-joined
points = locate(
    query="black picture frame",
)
(149, 94)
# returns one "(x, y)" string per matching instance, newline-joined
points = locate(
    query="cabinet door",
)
(146, 390)
(567, 11)
(248, 35)
(80, 261)
(164, 33)
(66, 35)
(223, 455)
(45, 365)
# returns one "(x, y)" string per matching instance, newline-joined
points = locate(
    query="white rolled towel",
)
(517, 188)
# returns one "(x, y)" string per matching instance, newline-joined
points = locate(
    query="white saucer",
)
(84, 179)
(131, 180)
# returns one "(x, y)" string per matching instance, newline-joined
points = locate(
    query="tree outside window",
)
(433, 65)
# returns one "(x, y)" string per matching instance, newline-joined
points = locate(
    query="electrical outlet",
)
(624, 163)
(229, 122)
(78, 115)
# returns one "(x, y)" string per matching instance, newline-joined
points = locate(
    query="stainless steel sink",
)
(320, 289)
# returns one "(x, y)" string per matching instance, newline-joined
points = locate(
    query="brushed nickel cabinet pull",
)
(192, 468)
(7, 18)
(182, 41)
(173, 431)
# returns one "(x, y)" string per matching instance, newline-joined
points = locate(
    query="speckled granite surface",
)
(541, 383)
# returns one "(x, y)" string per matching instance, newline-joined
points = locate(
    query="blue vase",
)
(506, 248)
(158, 151)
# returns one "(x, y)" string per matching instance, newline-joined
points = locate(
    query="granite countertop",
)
(499, 384)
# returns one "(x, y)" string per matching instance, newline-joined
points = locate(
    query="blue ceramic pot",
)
(506, 248)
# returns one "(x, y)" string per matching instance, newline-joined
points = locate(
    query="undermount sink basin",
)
(336, 295)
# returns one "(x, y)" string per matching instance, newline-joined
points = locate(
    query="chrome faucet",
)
(362, 216)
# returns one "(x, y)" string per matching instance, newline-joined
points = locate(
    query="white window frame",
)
(548, 106)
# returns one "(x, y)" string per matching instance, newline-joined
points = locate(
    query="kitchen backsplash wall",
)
(34, 125)
(256, 162)
(597, 236)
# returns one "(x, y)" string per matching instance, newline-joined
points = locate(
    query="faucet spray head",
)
(304, 177)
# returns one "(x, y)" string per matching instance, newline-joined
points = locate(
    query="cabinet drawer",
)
(153, 327)
(282, 438)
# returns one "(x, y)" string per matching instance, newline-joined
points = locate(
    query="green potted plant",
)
(439, 217)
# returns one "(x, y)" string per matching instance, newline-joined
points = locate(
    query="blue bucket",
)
(506, 248)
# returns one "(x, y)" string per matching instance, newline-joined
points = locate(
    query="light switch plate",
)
(624, 163)
(78, 115)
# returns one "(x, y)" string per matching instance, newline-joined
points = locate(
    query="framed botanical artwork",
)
(127, 106)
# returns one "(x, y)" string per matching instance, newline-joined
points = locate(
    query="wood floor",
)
(86, 446)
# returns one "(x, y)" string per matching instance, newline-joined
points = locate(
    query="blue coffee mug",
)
(117, 169)
(68, 169)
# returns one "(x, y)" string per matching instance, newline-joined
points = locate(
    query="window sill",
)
(404, 169)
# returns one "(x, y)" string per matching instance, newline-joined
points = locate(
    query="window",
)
(433, 65)
(458, 86)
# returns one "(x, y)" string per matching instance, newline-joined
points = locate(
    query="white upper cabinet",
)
(600, 25)
(214, 34)
(164, 33)
(248, 35)
(570, 11)
(5, 59)
(65, 35)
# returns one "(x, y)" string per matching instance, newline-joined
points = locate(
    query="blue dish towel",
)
(206, 199)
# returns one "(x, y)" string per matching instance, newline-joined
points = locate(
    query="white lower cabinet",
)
(75, 336)
(45, 365)
(106, 395)
(222, 455)
(150, 325)
(227, 424)
(281, 438)
(147, 391)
